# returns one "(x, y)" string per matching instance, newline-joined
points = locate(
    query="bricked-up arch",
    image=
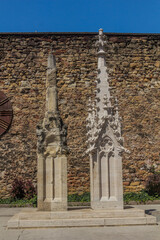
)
(6, 113)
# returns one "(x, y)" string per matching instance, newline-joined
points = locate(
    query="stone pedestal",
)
(106, 181)
(52, 187)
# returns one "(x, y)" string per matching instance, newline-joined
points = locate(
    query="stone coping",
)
(77, 33)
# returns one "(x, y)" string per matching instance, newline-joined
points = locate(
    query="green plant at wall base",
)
(140, 197)
(20, 202)
(6, 201)
(33, 201)
(85, 197)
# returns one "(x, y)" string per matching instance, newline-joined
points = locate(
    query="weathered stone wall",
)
(133, 63)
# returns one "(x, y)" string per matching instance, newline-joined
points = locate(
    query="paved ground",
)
(97, 233)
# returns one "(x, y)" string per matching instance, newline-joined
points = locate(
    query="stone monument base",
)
(77, 217)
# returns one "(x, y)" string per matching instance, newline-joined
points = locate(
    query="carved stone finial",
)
(101, 43)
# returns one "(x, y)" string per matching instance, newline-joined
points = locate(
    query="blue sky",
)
(134, 16)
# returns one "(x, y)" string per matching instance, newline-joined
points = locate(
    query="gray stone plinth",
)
(31, 218)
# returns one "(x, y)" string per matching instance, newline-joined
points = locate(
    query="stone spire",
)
(52, 150)
(104, 140)
(102, 113)
(51, 89)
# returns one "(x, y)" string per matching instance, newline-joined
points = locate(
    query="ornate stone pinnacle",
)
(101, 43)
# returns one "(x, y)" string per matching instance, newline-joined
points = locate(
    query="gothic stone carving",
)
(105, 143)
(52, 150)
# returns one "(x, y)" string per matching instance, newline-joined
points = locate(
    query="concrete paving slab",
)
(5, 215)
(88, 233)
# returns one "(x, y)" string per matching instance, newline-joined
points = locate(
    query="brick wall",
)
(133, 63)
